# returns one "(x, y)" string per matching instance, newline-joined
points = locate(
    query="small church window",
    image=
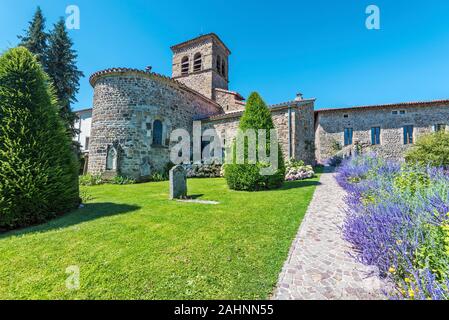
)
(157, 133)
(197, 62)
(223, 68)
(111, 159)
(185, 66)
(218, 64)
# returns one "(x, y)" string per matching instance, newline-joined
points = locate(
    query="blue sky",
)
(320, 48)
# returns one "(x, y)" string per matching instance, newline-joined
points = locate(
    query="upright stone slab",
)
(178, 182)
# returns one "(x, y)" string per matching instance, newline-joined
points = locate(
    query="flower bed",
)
(296, 170)
(398, 220)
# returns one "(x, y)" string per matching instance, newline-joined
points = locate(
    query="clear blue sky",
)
(319, 47)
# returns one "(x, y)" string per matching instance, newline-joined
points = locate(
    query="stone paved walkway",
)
(319, 266)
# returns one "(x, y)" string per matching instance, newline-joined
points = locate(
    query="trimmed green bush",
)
(432, 149)
(248, 176)
(38, 168)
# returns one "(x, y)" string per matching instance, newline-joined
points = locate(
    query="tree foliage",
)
(62, 69)
(35, 38)
(55, 52)
(38, 168)
(248, 176)
(432, 149)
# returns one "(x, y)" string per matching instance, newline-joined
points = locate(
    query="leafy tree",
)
(35, 38)
(432, 149)
(38, 168)
(248, 176)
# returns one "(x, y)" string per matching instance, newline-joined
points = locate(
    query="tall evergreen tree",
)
(38, 169)
(35, 38)
(62, 69)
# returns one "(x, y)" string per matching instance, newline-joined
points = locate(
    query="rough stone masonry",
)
(134, 112)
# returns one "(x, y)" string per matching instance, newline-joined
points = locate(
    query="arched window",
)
(197, 62)
(185, 66)
(223, 68)
(218, 64)
(157, 133)
(111, 159)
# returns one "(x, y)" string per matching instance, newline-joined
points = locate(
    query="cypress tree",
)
(62, 69)
(247, 176)
(35, 38)
(38, 168)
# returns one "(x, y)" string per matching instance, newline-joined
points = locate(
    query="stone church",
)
(134, 112)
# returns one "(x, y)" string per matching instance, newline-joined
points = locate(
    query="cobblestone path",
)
(319, 266)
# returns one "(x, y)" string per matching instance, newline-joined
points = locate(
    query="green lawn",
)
(130, 242)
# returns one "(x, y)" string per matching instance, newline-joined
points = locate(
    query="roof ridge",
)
(211, 34)
(387, 105)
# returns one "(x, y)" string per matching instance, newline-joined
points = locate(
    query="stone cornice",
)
(213, 36)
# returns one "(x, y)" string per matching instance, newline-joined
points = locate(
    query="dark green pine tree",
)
(35, 38)
(62, 69)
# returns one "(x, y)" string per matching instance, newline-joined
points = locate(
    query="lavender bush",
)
(398, 220)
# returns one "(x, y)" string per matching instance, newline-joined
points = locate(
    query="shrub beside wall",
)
(38, 168)
(247, 176)
(431, 149)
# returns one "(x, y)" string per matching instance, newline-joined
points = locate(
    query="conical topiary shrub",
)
(247, 176)
(38, 168)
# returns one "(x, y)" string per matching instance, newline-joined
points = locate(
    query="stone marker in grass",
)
(178, 183)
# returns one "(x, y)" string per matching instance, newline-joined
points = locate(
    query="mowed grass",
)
(131, 242)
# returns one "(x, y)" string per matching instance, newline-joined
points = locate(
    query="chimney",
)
(148, 69)
(299, 96)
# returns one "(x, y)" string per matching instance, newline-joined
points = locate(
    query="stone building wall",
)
(228, 100)
(125, 106)
(209, 77)
(330, 125)
(305, 134)
(302, 129)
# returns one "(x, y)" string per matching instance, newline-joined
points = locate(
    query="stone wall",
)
(302, 129)
(125, 106)
(228, 100)
(304, 134)
(208, 78)
(330, 125)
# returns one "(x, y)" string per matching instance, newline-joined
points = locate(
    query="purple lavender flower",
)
(388, 226)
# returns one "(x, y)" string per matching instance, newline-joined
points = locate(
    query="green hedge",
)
(432, 149)
(247, 176)
(38, 167)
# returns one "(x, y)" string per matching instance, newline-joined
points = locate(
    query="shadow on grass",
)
(298, 184)
(195, 196)
(90, 212)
